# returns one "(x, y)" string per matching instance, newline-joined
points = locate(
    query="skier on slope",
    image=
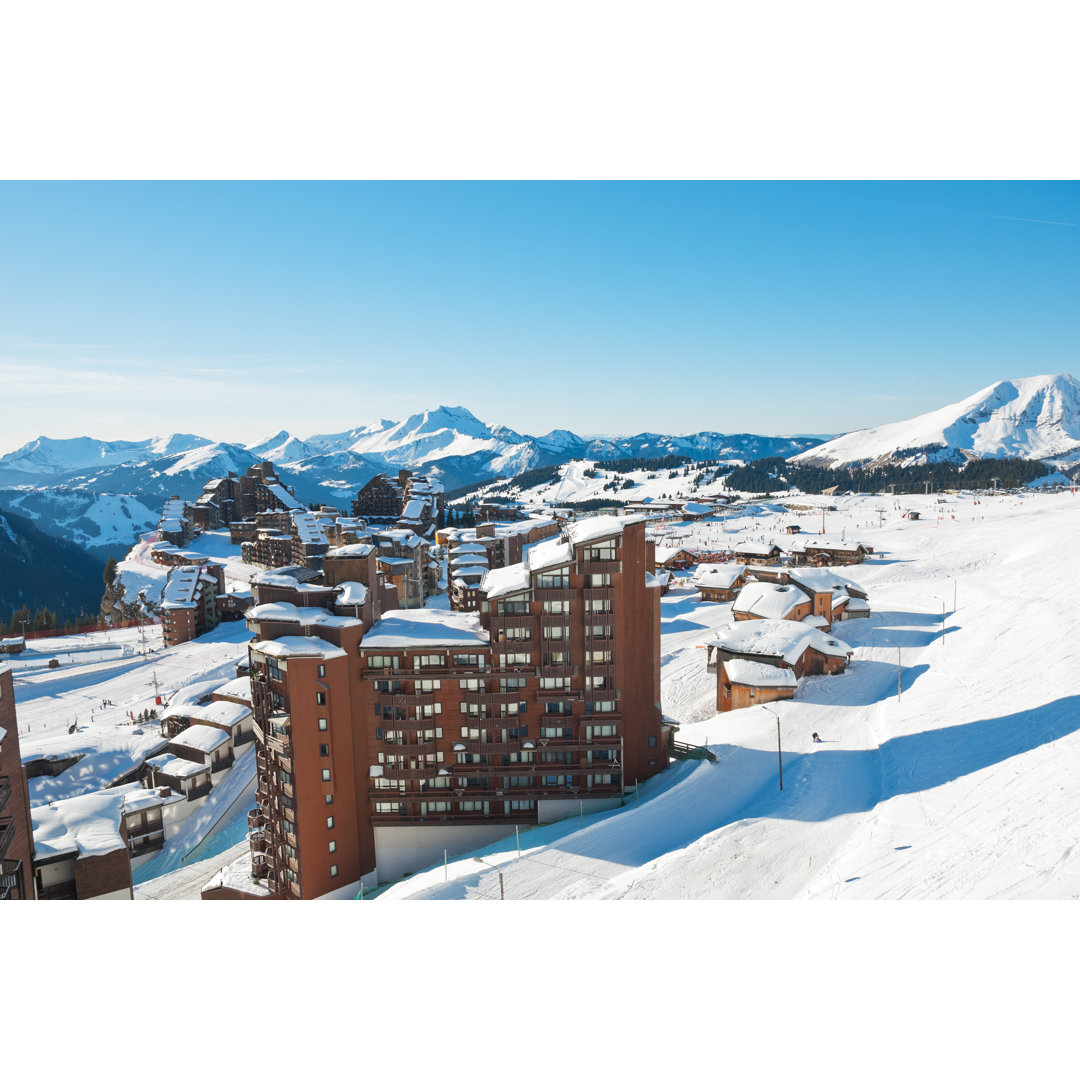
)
(816, 737)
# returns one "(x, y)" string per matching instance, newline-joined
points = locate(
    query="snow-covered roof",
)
(226, 713)
(283, 611)
(287, 500)
(468, 549)
(350, 551)
(549, 553)
(822, 578)
(754, 547)
(351, 593)
(286, 647)
(183, 588)
(599, 527)
(417, 628)
(469, 560)
(778, 637)
(832, 545)
(308, 528)
(717, 575)
(753, 673)
(414, 509)
(236, 688)
(505, 580)
(84, 825)
(201, 737)
(171, 765)
(765, 600)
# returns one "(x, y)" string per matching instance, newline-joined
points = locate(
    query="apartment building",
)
(16, 849)
(381, 746)
(189, 602)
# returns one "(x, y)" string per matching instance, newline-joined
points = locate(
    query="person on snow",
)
(816, 737)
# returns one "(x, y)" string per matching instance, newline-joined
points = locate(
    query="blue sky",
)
(236, 309)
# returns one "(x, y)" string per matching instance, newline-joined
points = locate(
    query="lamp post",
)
(779, 756)
(502, 894)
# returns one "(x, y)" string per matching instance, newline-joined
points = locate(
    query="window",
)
(324, 749)
(602, 552)
(467, 659)
(424, 660)
(387, 807)
(517, 633)
(330, 822)
(560, 683)
(556, 607)
(332, 846)
(551, 732)
(329, 799)
(594, 605)
(556, 633)
(652, 740)
(558, 708)
(513, 607)
(326, 774)
(597, 581)
(322, 723)
(322, 671)
(600, 731)
(427, 686)
(377, 661)
(333, 870)
(511, 684)
(434, 808)
(599, 706)
(556, 579)
(320, 698)
(519, 659)
(476, 685)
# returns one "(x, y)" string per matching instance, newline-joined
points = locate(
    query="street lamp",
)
(779, 756)
(502, 894)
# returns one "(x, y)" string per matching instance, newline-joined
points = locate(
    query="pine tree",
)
(109, 573)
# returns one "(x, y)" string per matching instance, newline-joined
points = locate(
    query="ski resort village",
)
(632, 675)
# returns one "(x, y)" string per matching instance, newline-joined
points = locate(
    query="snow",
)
(201, 737)
(171, 765)
(962, 788)
(775, 637)
(420, 627)
(282, 611)
(287, 646)
(506, 580)
(767, 601)
(752, 673)
(1035, 417)
(85, 825)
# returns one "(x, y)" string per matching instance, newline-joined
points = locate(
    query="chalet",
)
(757, 553)
(829, 552)
(84, 847)
(9, 646)
(802, 649)
(205, 744)
(793, 530)
(764, 600)
(742, 683)
(719, 582)
(674, 558)
(189, 778)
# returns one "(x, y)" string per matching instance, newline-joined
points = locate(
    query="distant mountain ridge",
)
(1035, 418)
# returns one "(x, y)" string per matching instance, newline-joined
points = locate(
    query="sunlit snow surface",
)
(965, 787)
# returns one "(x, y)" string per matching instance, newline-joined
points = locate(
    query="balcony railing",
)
(500, 697)
(7, 834)
(10, 879)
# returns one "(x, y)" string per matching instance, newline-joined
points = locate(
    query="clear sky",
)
(235, 309)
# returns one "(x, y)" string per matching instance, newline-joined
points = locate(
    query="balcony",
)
(548, 592)
(558, 671)
(501, 697)
(11, 879)
(606, 671)
(405, 701)
(601, 566)
(605, 593)
(562, 694)
(7, 834)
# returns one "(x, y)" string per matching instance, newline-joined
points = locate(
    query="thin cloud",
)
(1033, 221)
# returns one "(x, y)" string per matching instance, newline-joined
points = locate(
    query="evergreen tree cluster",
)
(22, 620)
(774, 474)
(625, 465)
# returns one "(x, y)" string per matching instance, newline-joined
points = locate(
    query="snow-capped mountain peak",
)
(1037, 417)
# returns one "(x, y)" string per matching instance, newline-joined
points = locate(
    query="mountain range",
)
(102, 494)
(1036, 418)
